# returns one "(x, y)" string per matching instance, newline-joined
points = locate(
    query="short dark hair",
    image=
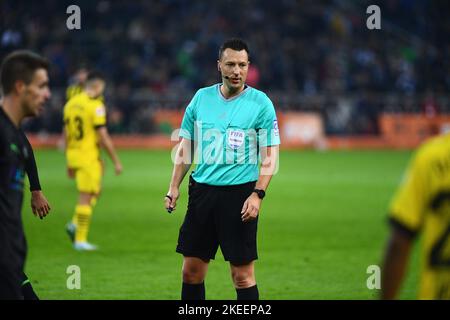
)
(95, 75)
(235, 44)
(20, 65)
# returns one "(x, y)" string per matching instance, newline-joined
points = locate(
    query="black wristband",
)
(261, 193)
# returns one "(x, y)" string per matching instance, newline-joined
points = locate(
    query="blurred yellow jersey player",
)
(78, 83)
(85, 130)
(422, 204)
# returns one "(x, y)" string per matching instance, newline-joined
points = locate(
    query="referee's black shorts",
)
(213, 218)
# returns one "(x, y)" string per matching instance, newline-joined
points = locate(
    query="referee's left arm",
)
(269, 166)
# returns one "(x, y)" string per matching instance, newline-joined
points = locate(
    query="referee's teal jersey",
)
(228, 134)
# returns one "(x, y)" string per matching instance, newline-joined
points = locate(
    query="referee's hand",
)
(170, 200)
(250, 209)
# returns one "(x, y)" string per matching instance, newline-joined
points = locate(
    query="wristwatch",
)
(261, 193)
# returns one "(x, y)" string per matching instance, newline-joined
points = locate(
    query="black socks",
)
(193, 291)
(248, 293)
(197, 292)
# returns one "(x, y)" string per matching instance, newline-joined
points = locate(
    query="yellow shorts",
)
(89, 178)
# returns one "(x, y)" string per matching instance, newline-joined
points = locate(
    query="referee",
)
(24, 80)
(230, 126)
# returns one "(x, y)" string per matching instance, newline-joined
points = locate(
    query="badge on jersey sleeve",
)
(100, 111)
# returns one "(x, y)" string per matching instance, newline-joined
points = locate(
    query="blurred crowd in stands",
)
(307, 55)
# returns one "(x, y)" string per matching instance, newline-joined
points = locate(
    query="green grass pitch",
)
(322, 224)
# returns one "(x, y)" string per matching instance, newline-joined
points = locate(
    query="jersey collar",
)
(246, 88)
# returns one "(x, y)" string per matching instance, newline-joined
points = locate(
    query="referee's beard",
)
(231, 88)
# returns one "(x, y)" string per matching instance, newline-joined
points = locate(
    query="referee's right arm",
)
(183, 161)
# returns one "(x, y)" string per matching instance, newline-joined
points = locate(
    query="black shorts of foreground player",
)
(227, 187)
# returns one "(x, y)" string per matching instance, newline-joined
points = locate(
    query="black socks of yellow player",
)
(251, 293)
(193, 291)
